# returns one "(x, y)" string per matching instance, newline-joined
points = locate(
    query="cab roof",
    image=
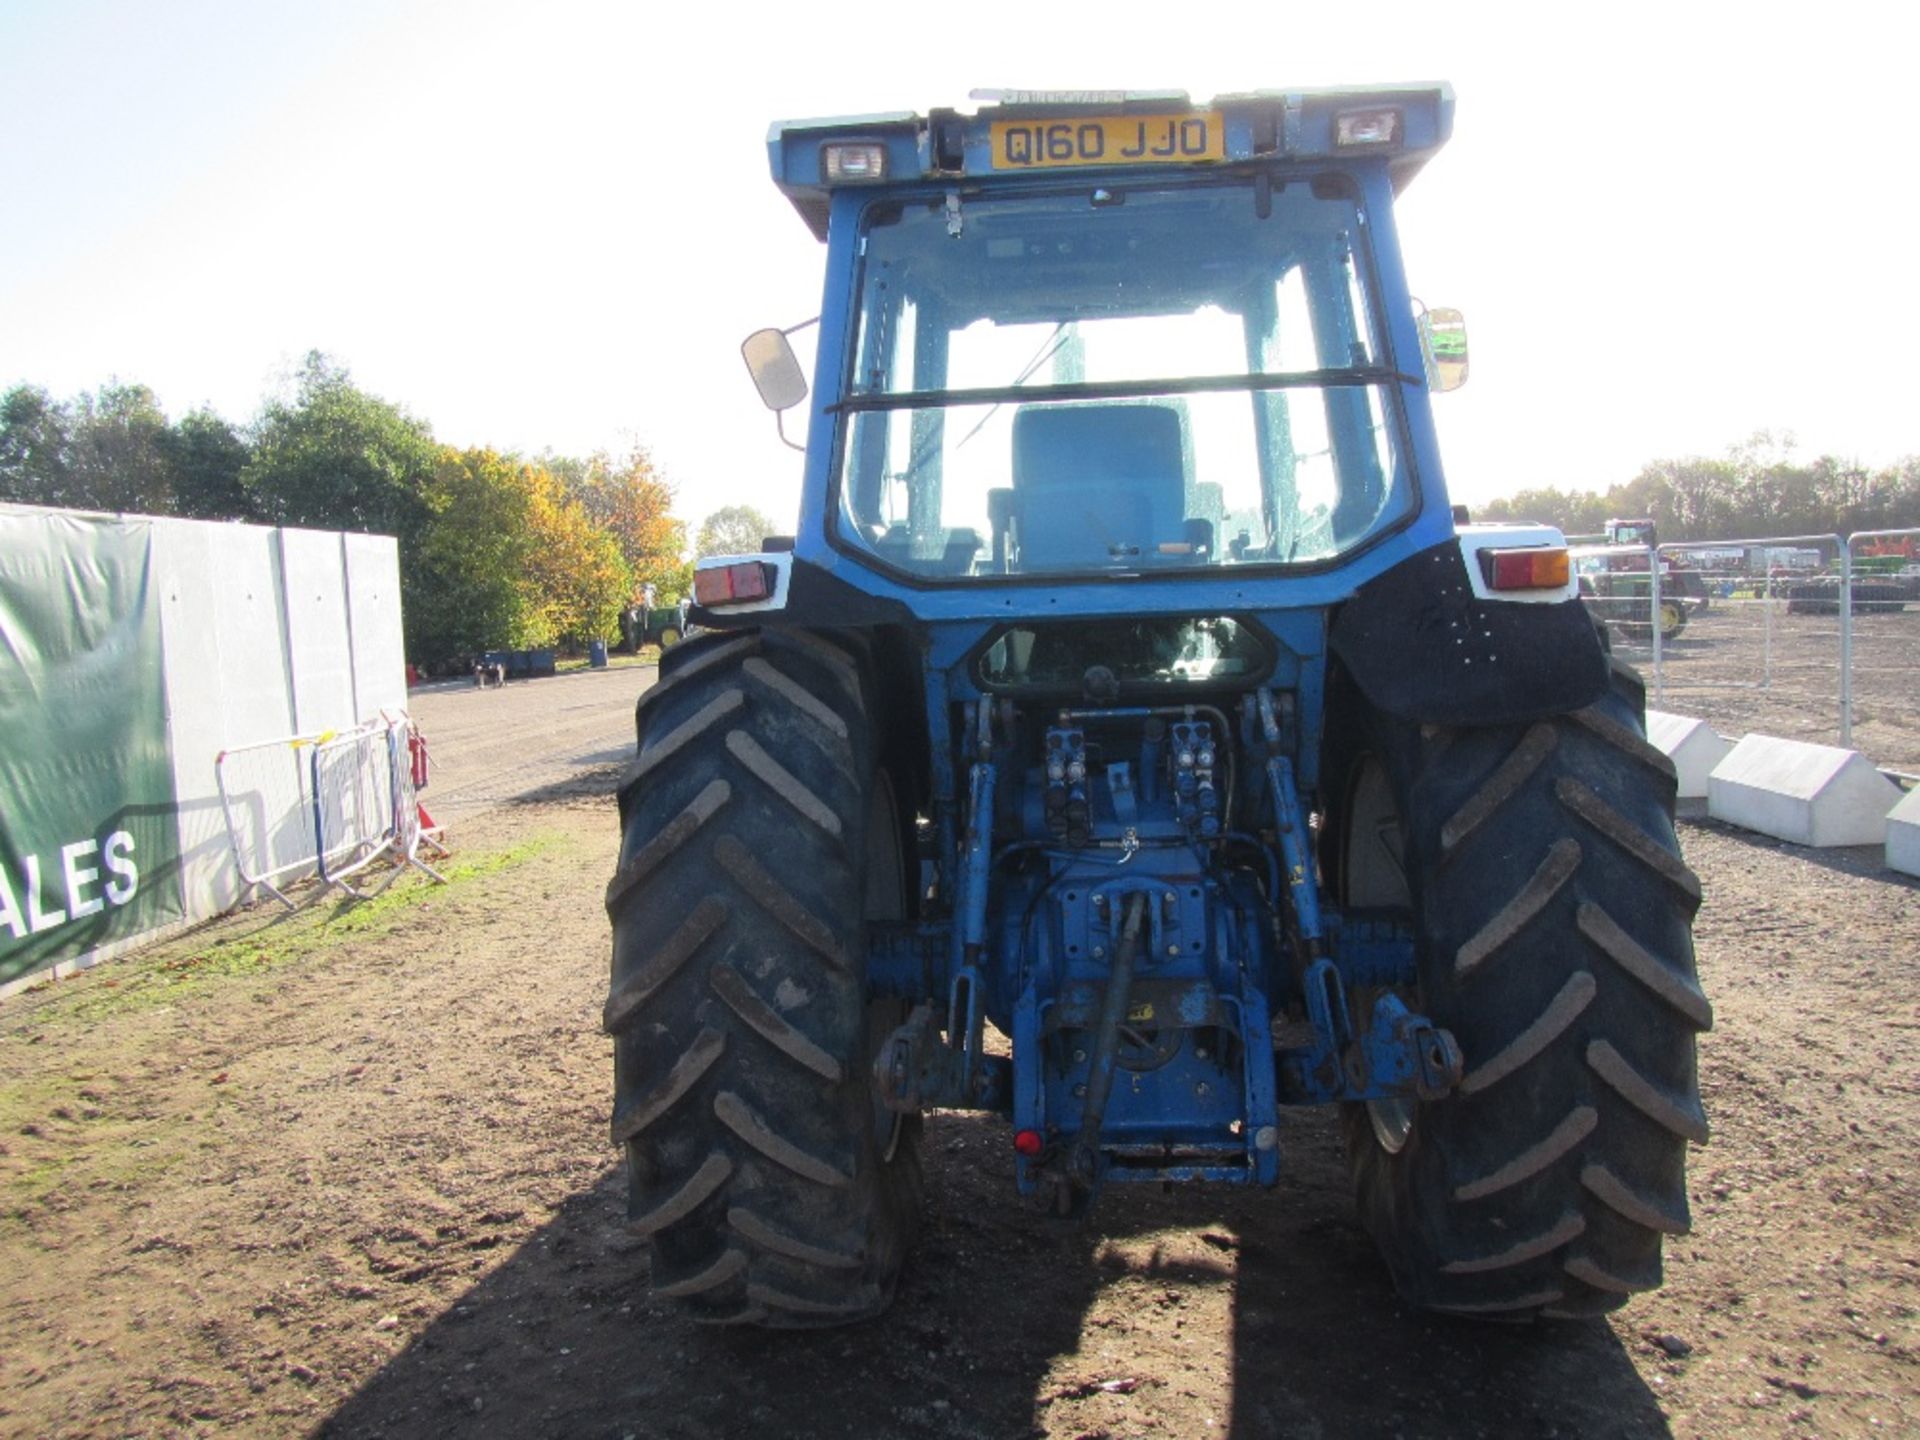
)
(1256, 129)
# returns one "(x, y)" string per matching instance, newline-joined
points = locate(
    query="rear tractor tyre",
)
(758, 837)
(1552, 916)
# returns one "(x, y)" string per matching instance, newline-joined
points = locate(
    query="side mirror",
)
(1443, 344)
(776, 373)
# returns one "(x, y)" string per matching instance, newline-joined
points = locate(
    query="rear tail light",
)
(1536, 568)
(734, 584)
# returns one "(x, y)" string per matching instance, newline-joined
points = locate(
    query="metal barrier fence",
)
(1879, 624)
(1813, 637)
(407, 769)
(352, 804)
(331, 804)
(267, 798)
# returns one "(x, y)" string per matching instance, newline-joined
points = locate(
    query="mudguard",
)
(1423, 647)
(804, 595)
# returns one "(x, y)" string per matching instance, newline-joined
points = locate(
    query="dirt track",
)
(349, 1174)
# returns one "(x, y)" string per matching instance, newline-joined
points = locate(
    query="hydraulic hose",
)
(1084, 1166)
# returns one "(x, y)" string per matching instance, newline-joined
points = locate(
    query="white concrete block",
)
(319, 642)
(1816, 795)
(195, 713)
(242, 589)
(1903, 835)
(1694, 746)
(373, 614)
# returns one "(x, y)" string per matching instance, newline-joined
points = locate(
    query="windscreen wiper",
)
(1049, 348)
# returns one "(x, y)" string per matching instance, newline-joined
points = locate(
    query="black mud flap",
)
(1422, 647)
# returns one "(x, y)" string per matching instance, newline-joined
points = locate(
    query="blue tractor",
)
(1133, 742)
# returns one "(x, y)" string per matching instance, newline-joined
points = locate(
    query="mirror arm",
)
(780, 426)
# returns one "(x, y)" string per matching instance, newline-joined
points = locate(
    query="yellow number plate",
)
(1108, 140)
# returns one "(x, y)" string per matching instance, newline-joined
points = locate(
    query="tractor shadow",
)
(1242, 1316)
(591, 779)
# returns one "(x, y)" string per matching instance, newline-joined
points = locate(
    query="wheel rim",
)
(883, 1018)
(1373, 875)
(1372, 863)
(1392, 1122)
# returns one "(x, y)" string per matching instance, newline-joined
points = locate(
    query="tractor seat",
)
(1098, 485)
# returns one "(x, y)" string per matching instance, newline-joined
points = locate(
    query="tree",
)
(1576, 512)
(732, 530)
(99, 451)
(114, 449)
(1700, 496)
(631, 499)
(35, 462)
(507, 558)
(206, 459)
(464, 589)
(334, 457)
(1758, 490)
(576, 578)
(115, 442)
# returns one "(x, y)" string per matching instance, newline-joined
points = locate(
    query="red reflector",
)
(1029, 1142)
(1535, 569)
(730, 584)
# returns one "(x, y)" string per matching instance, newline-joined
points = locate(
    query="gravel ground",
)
(513, 742)
(1750, 666)
(346, 1173)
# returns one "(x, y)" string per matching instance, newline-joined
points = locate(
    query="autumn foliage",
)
(628, 498)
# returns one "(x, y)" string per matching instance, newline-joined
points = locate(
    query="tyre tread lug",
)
(1501, 786)
(694, 1062)
(1569, 1227)
(1683, 1119)
(752, 1128)
(714, 1172)
(1578, 1124)
(741, 998)
(1547, 880)
(1682, 994)
(629, 994)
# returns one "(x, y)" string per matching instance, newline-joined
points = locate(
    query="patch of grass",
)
(117, 1157)
(649, 655)
(172, 973)
(87, 1129)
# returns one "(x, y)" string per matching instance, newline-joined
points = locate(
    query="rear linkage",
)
(1381, 1050)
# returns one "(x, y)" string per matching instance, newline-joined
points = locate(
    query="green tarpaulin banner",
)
(89, 844)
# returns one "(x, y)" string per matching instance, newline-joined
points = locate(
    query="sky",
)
(550, 226)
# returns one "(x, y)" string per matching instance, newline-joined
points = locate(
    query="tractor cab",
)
(1092, 337)
(1633, 532)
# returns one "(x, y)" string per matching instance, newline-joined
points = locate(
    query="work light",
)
(1366, 127)
(843, 164)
